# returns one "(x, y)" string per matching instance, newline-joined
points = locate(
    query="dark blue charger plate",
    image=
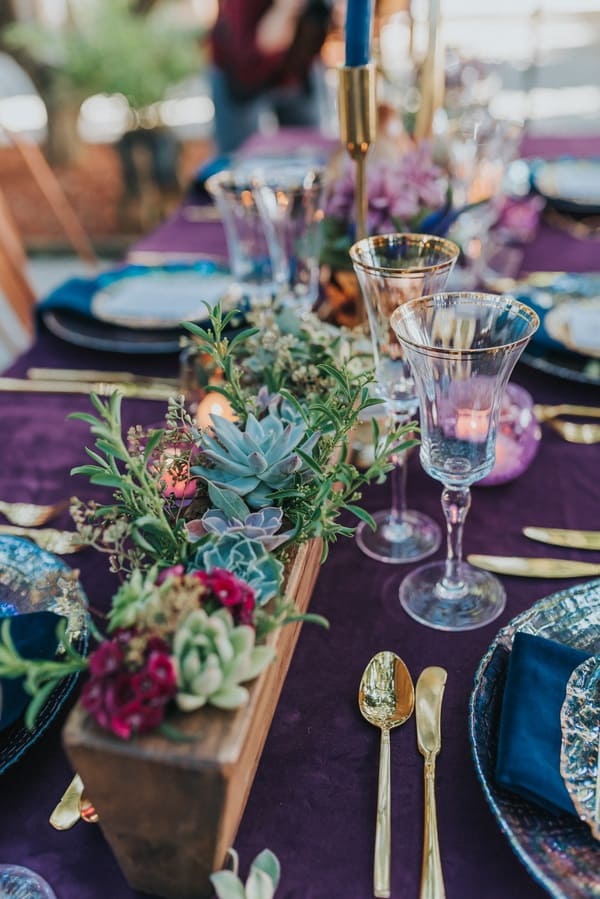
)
(557, 850)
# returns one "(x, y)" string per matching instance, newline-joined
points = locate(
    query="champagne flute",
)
(393, 269)
(462, 348)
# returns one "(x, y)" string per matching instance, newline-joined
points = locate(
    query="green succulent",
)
(247, 559)
(213, 658)
(258, 459)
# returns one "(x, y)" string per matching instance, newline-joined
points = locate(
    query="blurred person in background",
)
(266, 57)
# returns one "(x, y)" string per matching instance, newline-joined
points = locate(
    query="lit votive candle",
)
(517, 439)
(213, 404)
(472, 425)
(175, 474)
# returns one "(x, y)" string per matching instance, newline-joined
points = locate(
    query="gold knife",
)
(544, 568)
(573, 539)
(429, 693)
(114, 377)
(102, 388)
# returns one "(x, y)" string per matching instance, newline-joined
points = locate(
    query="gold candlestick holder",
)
(358, 123)
(357, 102)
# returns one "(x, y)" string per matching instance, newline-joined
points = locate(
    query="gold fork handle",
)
(381, 871)
(432, 879)
(543, 413)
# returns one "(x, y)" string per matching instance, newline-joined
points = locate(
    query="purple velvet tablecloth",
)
(313, 799)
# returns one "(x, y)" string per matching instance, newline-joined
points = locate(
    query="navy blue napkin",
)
(76, 294)
(34, 636)
(528, 761)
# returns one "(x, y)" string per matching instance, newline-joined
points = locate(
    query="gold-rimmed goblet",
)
(393, 269)
(462, 348)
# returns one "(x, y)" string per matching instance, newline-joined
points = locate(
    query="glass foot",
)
(414, 538)
(17, 882)
(424, 597)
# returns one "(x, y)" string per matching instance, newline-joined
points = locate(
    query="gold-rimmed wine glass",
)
(462, 348)
(393, 269)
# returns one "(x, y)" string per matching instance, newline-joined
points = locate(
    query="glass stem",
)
(398, 479)
(456, 502)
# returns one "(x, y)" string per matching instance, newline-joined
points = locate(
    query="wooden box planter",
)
(171, 810)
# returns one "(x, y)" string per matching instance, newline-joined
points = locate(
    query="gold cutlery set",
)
(26, 520)
(546, 567)
(387, 698)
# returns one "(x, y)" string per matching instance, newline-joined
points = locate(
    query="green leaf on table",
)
(268, 862)
(227, 885)
(259, 885)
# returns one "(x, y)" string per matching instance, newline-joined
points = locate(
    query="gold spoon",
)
(55, 541)
(386, 698)
(30, 515)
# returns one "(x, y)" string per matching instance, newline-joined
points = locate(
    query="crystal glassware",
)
(461, 348)
(256, 256)
(289, 200)
(393, 269)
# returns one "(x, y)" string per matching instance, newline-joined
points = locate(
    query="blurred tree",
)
(111, 46)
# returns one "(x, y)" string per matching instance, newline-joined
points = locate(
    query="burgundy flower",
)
(107, 659)
(129, 698)
(231, 592)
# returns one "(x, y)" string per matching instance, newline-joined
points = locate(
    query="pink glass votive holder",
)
(518, 437)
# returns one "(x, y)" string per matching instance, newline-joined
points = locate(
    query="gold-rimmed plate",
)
(576, 325)
(162, 299)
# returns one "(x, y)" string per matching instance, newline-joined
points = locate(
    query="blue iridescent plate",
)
(558, 850)
(33, 580)
(580, 748)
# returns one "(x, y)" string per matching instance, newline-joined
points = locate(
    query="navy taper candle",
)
(358, 32)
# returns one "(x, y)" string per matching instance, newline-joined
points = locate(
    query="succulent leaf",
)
(213, 657)
(243, 459)
(245, 558)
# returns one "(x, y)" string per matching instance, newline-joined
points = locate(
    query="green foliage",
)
(41, 676)
(154, 530)
(312, 504)
(110, 49)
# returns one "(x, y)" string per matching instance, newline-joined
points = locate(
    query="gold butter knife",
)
(573, 539)
(543, 568)
(114, 377)
(101, 388)
(429, 693)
